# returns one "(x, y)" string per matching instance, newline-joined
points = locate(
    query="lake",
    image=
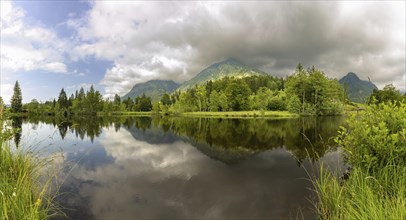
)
(184, 168)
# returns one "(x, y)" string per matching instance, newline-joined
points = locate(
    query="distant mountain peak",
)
(232, 60)
(358, 90)
(229, 67)
(153, 88)
(351, 74)
(228, 61)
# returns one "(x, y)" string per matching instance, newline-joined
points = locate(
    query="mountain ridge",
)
(153, 88)
(358, 90)
(230, 67)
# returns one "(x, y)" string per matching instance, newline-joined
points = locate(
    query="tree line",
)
(307, 91)
(81, 102)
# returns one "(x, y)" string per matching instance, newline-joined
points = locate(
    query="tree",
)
(388, 93)
(1, 105)
(166, 100)
(223, 101)
(317, 94)
(201, 98)
(145, 103)
(238, 95)
(214, 101)
(260, 101)
(63, 99)
(16, 99)
(117, 100)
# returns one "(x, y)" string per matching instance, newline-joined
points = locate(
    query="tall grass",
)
(363, 196)
(241, 114)
(374, 145)
(25, 187)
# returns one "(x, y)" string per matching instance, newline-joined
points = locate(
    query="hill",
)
(229, 67)
(358, 90)
(153, 88)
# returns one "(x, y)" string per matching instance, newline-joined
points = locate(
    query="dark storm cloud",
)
(176, 40)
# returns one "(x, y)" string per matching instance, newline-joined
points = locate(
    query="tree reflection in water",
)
(227, 140)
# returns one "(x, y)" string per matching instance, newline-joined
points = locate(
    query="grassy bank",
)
(125, 114)
(231, 114)
(23, 190)
(375, 146)
(241, 114)
(363, 196)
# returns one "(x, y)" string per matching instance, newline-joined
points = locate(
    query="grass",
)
(124, 113)
(242, 114)
(24, 187)
(363, 196)
(374, 143)
(354, 107)
(230, 114)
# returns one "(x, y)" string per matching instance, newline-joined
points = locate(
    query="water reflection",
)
(16, 124)
(227, 140)
(188, 168)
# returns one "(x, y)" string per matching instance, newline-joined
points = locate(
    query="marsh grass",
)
(242, 114)
(363, 196)
(26, 188)
(374, 144)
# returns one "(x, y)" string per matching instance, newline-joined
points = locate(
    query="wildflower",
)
(14, 194)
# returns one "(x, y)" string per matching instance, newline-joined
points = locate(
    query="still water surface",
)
(185, 168)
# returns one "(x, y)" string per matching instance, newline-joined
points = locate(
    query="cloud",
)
(175, 179)
(56, 67)
(6, 92)
(26, 47)
(175, 40)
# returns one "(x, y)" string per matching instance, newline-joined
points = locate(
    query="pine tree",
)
(16, 99)
(63, 99)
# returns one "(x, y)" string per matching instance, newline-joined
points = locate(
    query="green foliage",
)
(362, 196)
(388, 94)
(16, 99)
(143, 103)
(117, 101)
(376, 137)
(238, 96)
(374, 143)
(24, 184)
(1, 105)
(63, 100)
(166, 99)
(316, 93)
(129, 104)
(294, 104)
(214, 105)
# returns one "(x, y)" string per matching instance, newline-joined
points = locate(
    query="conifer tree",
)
(16, 99)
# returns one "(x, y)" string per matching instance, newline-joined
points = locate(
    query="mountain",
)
(153, 88)
(229, 67)
(358, 90)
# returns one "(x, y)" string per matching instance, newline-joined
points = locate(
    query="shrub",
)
(376, 137)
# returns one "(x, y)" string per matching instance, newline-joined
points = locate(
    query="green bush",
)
(376, 137)
(374, 143)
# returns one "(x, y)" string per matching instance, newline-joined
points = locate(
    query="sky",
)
(49, 45)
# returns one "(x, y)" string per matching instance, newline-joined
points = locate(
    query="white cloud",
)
(6, 92)
(26, 47)
(56, 67)
(175, 40)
